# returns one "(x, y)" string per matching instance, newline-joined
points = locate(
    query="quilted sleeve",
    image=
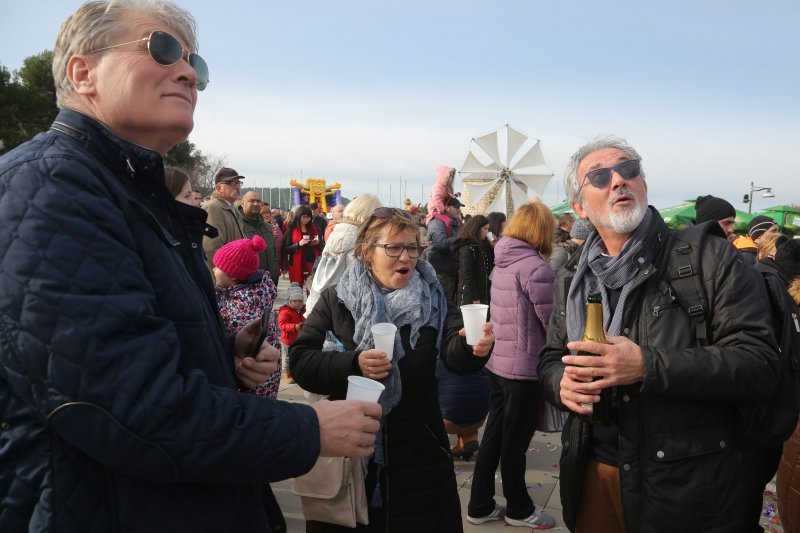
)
(84, 344)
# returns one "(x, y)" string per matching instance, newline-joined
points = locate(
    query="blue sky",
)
(364, 92)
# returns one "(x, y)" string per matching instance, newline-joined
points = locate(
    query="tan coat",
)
(225, 217)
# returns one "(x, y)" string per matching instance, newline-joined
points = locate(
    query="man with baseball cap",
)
(222, 214)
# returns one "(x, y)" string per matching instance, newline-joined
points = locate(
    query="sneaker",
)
(497, 514)
(537, 520)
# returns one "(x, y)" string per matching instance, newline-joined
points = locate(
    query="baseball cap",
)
(226, 175)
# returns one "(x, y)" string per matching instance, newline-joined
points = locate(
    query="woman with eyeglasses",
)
(300, 243)
(410, 484)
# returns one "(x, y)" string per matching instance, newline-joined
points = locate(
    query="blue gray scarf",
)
(597, 271)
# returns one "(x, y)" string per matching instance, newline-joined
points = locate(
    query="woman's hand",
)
(483, 347)
(374, 364)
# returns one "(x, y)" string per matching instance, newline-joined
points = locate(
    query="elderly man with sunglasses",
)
(118, 389)
(666, 459)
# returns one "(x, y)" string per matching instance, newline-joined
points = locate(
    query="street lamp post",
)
(748, 198)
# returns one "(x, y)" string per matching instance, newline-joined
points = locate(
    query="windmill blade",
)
(478, 190)
(499, 203)
(519, 196)
(533, 158)
(514, 141)
(535, 182)
(488, 144)
(471, 164)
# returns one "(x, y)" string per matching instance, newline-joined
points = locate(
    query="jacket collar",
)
(132, 159)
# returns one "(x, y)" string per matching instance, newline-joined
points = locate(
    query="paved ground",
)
(541, 476)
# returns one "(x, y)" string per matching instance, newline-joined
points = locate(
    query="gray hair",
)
(361, 208)
(572, 188)
(98, 24)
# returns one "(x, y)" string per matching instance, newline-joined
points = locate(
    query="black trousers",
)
(758, 468)
(512, 414)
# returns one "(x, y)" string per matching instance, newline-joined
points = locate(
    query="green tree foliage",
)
(27, 100)
(201, 167)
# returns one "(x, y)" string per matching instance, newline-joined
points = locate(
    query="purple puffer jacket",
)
(521, 304)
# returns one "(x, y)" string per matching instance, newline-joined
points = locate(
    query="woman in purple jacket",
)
(521, 303)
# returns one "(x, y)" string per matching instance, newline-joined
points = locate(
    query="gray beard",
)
(620, 223)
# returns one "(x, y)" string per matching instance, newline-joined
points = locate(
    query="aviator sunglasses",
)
(601, 177)
(167, 50)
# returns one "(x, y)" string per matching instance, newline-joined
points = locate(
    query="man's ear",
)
(80, 71)
(579, 210)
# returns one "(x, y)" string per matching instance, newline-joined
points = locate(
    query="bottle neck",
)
(594, 323)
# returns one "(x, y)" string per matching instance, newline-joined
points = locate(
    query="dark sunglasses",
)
(601, 177)
(387, 212)
(167, 50)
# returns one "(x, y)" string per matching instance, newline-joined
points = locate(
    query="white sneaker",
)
(537, 520)
(497, 514)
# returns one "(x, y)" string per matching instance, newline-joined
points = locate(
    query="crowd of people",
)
(141, 349)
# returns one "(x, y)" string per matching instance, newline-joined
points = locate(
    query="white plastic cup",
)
(474, 319)
(365, 389)
(383, 334)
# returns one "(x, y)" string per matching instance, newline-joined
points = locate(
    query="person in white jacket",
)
(338, 252)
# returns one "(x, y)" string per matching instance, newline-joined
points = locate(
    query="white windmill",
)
(502, 170)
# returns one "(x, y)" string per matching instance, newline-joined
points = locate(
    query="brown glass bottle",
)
(593, 332)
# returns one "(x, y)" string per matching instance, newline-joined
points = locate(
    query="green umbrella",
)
(561, 208)
(787, 217)
(680, 216)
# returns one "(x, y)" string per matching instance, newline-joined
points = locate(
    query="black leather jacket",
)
(677, 456)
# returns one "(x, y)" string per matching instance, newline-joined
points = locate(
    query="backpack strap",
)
(685, 276)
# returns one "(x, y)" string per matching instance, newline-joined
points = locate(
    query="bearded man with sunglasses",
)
(666, 458)
(118, 389)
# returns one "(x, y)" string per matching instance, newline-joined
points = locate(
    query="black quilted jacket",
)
(117, 391)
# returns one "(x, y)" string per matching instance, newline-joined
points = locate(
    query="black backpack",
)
(758, 424)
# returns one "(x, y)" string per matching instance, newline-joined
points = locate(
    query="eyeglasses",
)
(166, 50)
(601, 177)
(396, 250)
(232, 183)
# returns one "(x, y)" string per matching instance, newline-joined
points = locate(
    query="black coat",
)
(474, 266)
(420, 492)
(117, 388)
(677, 455)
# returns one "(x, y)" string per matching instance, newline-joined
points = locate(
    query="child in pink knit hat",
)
(245, 293)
